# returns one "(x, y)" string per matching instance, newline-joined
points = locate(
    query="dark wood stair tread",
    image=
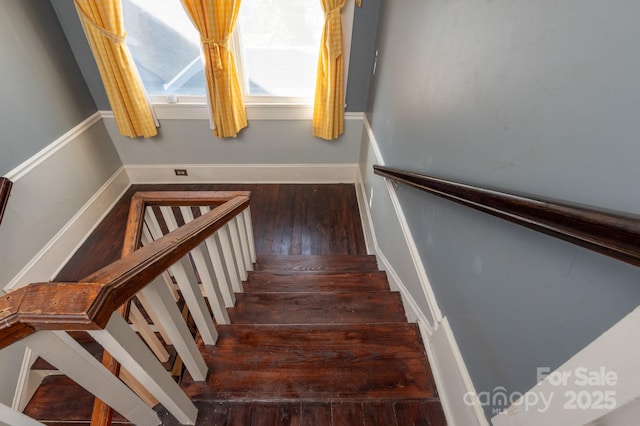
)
(334, 263)
(336, 413)
(316, 281)
(319, 362)
(317, 308)
(60, 399)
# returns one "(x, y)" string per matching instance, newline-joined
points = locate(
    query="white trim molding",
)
(243, 173)
(593, 384)
(37, 159)
(449, 370)
(267, 111)
(435, 314)
(456, 390)
(55, 254)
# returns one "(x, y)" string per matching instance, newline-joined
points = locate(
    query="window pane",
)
(279, 42)
(165, 47)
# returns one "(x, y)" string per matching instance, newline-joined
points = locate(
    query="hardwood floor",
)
(375, 413)
(317, 338)
(287, 220)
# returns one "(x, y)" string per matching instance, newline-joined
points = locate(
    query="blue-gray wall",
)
(540, 97)
(363, 38)
(44, 94)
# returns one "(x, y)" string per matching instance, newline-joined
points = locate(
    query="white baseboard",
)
(452, 379)
(449, 370)
(365, 215)
(55, 254)
(244, 173)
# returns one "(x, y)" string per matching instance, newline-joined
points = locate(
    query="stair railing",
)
(614, 234)
(214, 246)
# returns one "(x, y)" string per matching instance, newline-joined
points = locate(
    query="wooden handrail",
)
(102, 414)
(5, 190)
(614, 234)
(88, 305)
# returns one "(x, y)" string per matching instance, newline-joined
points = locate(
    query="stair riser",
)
(316, 282)
(317, 308)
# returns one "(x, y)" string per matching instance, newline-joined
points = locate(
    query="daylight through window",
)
(276, 45)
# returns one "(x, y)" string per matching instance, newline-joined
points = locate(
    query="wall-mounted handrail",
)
(89, 304)
(5, 190)
(614, 234)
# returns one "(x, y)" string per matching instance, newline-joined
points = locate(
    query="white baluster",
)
(222, 235)
(249, 225)
(68, 356)
(154, 317)
(184, 275)
(216, 262)
(237, 250)
(160, 301)
(244, 242)
(142, 326)
(204, 268)
(12, 417)
(127, 348)
(150, 233)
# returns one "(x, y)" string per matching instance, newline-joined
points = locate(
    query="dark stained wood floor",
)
(287, 220)
(316, 339)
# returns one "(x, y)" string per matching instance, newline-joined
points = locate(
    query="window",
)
(165, 47)
(276, 44)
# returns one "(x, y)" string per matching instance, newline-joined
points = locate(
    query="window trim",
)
(190, 107)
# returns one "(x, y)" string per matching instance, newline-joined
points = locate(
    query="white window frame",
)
(189, 107)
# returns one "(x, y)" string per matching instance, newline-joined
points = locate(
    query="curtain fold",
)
(215, 21)
(102, 22)
(328, 110)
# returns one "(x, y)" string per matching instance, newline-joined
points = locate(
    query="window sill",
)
(255, 111)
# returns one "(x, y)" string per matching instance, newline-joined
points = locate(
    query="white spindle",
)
(184, 275)
(222, 235)
(216, 262)
(249, 225)
(146, 238)
(205, 270)
(12, 417)
(195, 301)
(154, 317)
(68, 356)
(142, 326)
(155, 232)
(244, 242)
(157, 296)
(237, 250)
(127, 348)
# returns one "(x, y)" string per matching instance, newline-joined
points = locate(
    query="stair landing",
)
(316, 339)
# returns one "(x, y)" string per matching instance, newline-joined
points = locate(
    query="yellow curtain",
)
(102, 24)
(328, 111)
(215, 21)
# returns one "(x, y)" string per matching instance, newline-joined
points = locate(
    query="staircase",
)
(312, 340)
(316, 340)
